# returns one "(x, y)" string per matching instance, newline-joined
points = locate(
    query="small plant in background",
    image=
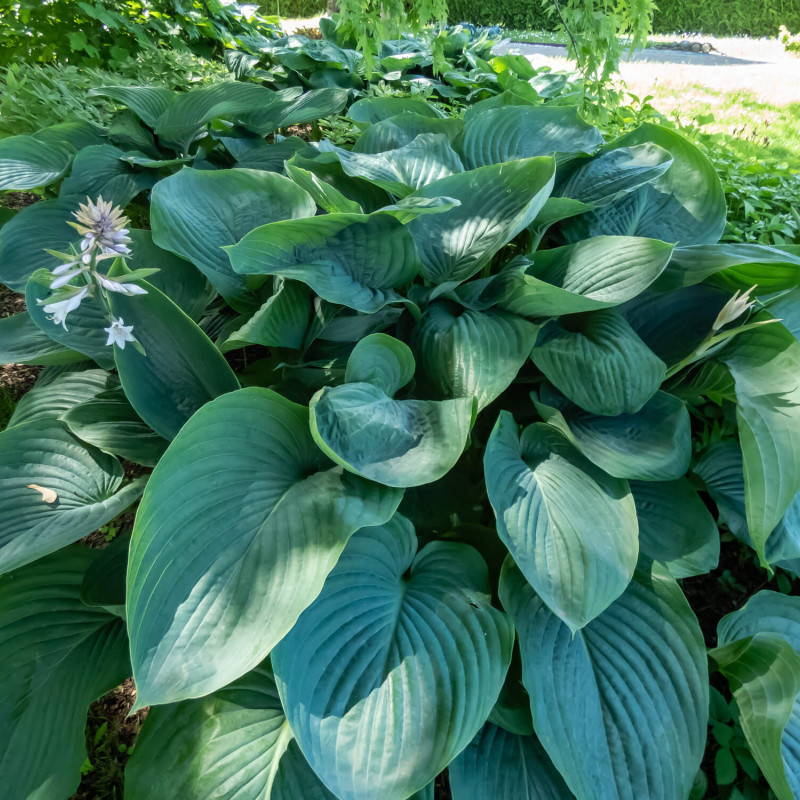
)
(790, 42)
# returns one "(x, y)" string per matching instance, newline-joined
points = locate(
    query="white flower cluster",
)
(105, 236)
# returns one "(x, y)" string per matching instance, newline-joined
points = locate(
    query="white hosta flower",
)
(733, 309)
(64, 279)
(103, 225)
(58, 311)
(128, 289)
(119, 333)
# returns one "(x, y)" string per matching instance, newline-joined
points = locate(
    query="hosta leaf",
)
(498, 764)
(675, 527)
(765, 364)
(514, 132)
(763, 672)
(722, 471)
(402, 170)
(83, 331)
(348, 259)
(57, 655)
(24, 342)
(147, 102)
(735, 266)
(281, 322)
(307, 107)
(654, 444)
(180, 369)
(786, 308)
(234, 744)
(49, 399)
(109, 422)
(78, 134)
(196, 213)
(43, 454)
(570, 527)
(23, 239)
(684, 205)
(402, 129)
(385, 681)
(395, 442)
(327, 197)
(177, 278)
(600, 364)
(612, 174)
(203, 609)
(467, 353)
(100, 171)
(596, 273)
(764, 612)
(496, 203)
(255, 153)
(375, 109)
(621, 706)
(26, 162)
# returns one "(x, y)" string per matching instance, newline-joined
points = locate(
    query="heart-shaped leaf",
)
(571, 528)
(204, 608)
(372, 669)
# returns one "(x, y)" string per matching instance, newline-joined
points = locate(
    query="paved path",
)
(757, 66)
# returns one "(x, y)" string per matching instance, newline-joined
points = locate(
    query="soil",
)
(18, 200)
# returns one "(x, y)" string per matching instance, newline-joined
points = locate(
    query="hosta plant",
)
(438, 425)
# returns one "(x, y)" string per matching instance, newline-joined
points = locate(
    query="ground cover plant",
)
(436, 424)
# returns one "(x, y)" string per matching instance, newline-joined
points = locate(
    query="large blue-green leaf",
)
(404, 169)
(496, 203)
(195, 213)
(325, 195)
(395, 442)
(109, 422)
(467, 353)
(499, 764)
(654, 444)
(26, 162)
(614, 173)
(235, 744)
(402, 129)
(621, 706)
(765, 364)
(57, 655)
(306, 107)
(23, 240)
(675, 527)
(243, 520)
(147, 102)
(83, 328)
(685, 205)
(763, 671)
(596, 273)
(24, 342)
(375, 109)
(385, 680)
(180, 369)
(54, 489)
(599, 363)
(349, 259)
(571, 528)
(513, 132)
(59, 390)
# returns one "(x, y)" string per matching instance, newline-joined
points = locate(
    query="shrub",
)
(790, 42)
(432, 507)
(726, 17)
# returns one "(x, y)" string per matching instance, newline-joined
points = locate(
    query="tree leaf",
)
(570, 527)
(203, 609)
(195, 213)
(57, 655)
(599, 363)
(234, 744)
(499, 764)
(85, 480)
(621, 706)
(349, 259)
(373, 669)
